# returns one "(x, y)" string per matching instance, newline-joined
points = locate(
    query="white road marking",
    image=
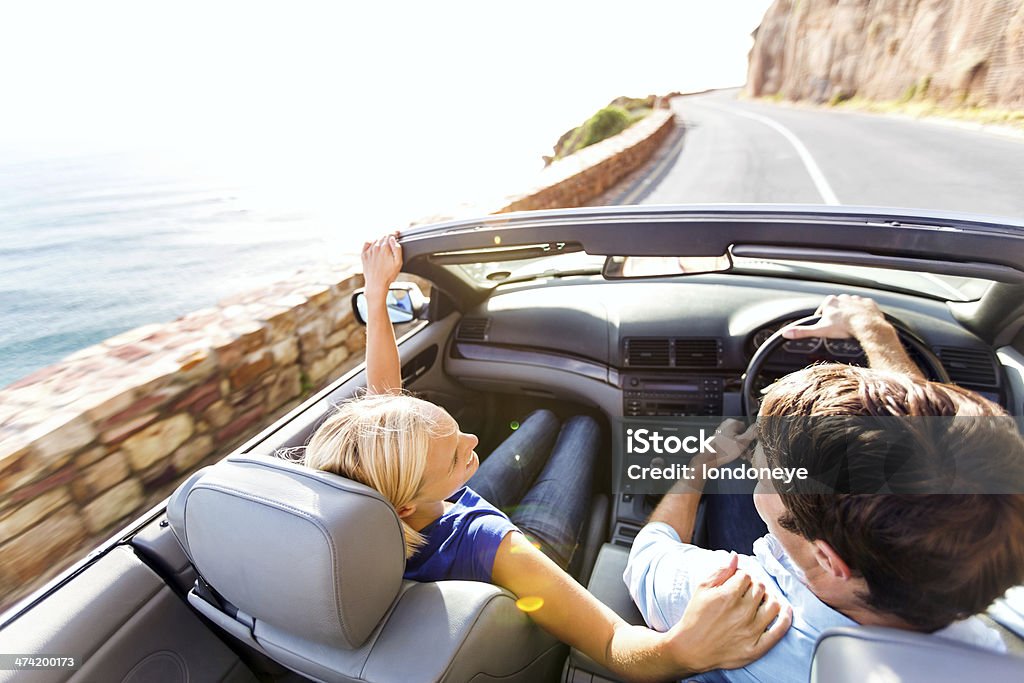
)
(817, 177)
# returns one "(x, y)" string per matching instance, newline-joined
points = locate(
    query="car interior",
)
(261, 569)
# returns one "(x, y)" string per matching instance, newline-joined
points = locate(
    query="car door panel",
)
(120, 622)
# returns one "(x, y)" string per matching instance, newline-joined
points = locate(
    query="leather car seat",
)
(306, 567)
(873, 653)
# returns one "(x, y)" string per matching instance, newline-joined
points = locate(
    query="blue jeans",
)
(541, 477)
(732, 519)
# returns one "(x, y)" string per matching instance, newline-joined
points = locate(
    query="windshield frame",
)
(708, 230)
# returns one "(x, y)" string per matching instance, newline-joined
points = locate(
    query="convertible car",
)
(259, 569)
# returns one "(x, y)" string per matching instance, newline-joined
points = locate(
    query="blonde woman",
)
(413, 453)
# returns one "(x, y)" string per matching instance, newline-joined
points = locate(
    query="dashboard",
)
(657, 348)
(678, 346)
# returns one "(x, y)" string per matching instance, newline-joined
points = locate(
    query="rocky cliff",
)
(955, 52)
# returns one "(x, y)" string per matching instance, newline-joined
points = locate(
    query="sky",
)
(158, 156)
(352, 111)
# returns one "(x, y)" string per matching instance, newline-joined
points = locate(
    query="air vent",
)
(673, 353)
(473, 329)
(648, 353)
(697, 353)
(974, 367)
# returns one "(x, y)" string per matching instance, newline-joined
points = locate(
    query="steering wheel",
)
(750, 399)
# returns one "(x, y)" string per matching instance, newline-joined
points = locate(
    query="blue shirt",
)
(663, 573)
(461, 543)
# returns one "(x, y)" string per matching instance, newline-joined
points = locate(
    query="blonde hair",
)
(380, 440)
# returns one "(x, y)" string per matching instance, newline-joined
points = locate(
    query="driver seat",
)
(306, 567)
(873, 653)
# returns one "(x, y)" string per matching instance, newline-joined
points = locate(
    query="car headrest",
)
(869, 653)
(308, 552)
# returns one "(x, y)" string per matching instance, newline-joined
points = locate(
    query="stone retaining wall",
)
(578, 178)
(90, 442)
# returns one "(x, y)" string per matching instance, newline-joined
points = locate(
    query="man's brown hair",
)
(928, 559)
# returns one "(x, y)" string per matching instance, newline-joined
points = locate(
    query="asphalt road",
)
(734, 150)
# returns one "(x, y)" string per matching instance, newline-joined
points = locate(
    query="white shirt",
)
(663, 573)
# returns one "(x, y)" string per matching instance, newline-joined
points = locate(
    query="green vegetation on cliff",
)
(620, 114)
(911, 104)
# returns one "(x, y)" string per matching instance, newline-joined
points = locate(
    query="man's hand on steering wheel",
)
(848, 315)
(842, 317)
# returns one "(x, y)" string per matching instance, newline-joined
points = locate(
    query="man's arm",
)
(382, 261)
(678, 507)
(663, 570)
(848, 316)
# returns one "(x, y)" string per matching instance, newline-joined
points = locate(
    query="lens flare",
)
(521, 549)
(514, 425)
(530, 603)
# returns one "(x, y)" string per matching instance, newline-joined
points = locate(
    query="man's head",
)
(918, 561)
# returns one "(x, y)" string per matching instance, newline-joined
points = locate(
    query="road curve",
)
(734, 150)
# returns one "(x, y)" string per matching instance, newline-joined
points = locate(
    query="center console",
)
(653, 394)
(645, 394)
(658, 395)
(606, 585)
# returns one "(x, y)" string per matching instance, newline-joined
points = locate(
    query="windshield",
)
(933, 285)
(937, 286)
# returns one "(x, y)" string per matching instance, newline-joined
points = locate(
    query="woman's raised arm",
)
(382, 261)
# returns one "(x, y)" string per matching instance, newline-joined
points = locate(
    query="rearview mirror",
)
(405, 303)
(621, 267)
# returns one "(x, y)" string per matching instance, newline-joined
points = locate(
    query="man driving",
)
(917, 562)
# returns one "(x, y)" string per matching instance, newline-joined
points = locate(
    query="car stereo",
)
(650, 396)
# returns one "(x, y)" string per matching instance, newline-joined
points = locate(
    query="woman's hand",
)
(382, 261)
(726, 623)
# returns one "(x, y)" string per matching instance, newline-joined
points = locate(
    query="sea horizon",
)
(92, 245)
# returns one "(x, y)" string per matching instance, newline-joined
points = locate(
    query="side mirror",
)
(405, 303)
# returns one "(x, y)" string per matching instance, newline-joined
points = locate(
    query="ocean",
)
(93, 245)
